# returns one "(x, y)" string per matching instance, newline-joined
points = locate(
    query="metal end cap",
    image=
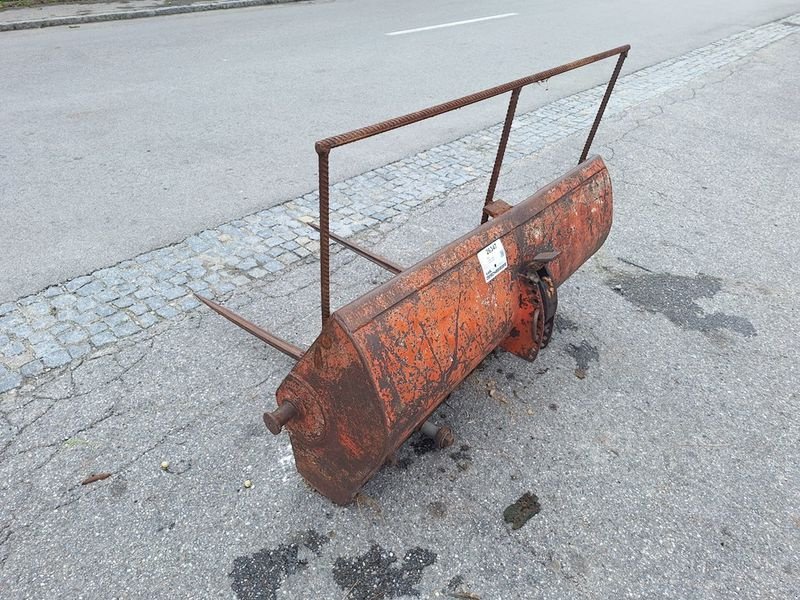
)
(444, 437)
(276, 419)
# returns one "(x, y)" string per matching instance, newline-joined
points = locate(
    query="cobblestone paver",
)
(71, 320)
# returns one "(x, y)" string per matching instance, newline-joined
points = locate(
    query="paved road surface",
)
(658, 429)
(121, 137)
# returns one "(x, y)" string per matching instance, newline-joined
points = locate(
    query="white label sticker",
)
(493, 260)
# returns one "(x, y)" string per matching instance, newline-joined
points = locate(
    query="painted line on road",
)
(453, 24)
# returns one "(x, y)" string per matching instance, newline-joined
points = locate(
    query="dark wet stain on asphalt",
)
(312, 540)
(462, 453)
(509, 374)
(562, 323)
(259, 576)
(419, 444)
(676, 296)
(374, 576)
(583, 354)
(422, 444)
(462, 457)
(404, 462)
(455, 583)
(522, 510)
(437, 509)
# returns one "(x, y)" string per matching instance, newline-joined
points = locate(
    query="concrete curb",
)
(135, 14)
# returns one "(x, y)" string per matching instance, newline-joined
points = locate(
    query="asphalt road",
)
(116, 138)
(658, 429)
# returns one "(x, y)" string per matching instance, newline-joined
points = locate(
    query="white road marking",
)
(453, 24)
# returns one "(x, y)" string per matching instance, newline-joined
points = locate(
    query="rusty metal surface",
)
(592, 173)
(442, 435)
(324, 237)
(382, 262)
(276, 419)
(329, 143)
(96, 477)
(324, 147)
(495, 208)
(501, 150)
(265, 336)
(384, 362)
(602, 108)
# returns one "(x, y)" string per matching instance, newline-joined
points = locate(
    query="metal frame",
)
(324, 147)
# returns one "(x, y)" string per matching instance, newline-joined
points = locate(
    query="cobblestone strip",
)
(72, 320)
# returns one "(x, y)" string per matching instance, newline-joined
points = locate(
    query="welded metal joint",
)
(495, 208)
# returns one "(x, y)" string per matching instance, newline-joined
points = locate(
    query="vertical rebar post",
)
(324, 237)
(323, 147)
(602, 108)
(501, 149)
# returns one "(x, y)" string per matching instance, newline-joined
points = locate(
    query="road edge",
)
(136, 14)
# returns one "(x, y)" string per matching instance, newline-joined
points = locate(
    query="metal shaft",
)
(279, 417)
(441, 435)
(265, 336)
(324, 238)
(501, 149)
(602, 108)
(371, 256)
(324, 146)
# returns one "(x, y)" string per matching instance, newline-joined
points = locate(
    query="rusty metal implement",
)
(383, 363)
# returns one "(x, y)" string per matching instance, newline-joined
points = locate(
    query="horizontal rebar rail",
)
(323, 147)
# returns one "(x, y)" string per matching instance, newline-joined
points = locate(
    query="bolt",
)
(442, 435)
(279, 417)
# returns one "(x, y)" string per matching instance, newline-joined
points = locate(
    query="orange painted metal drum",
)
(383, 363)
